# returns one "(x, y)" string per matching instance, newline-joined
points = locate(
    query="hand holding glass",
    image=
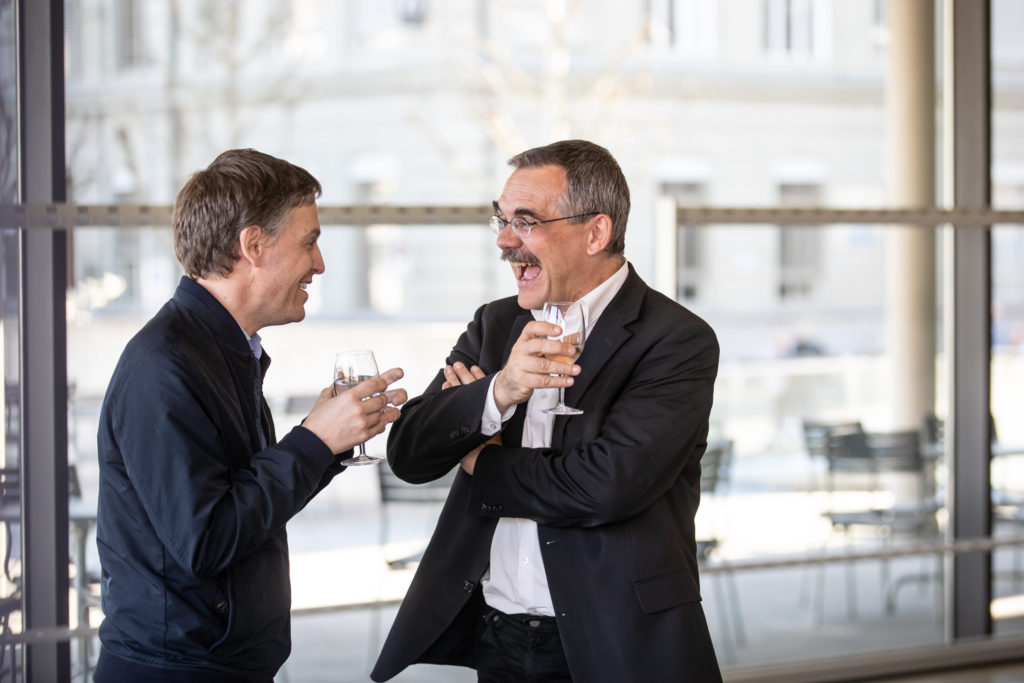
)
(351, 368)
(570, 316)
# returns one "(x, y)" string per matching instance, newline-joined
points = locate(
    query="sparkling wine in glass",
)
(571, 317)
(351, 368)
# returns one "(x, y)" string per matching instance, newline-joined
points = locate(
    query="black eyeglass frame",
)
(498, 223)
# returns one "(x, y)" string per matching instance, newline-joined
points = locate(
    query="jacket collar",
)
(221, 324)
(610, 333)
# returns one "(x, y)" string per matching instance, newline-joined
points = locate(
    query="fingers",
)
(356, 415)
(457, 374)
(535, 362)
(376, 385)
(396, 397)
(539, 328)
(393, 375)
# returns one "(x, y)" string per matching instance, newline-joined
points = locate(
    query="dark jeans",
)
(113, 669)
(520, 648)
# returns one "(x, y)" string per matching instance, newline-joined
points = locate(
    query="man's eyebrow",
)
(518, 212)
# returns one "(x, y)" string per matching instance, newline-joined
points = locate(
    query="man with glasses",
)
(566, 548)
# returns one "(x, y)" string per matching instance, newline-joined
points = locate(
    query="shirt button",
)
(492, 427)
(526, 560)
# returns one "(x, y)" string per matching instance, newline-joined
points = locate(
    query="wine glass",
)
(351, 368)
(571, 317)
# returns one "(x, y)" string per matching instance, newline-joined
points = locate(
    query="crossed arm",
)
(529, 367)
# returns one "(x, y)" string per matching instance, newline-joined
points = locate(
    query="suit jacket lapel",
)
(609, 334)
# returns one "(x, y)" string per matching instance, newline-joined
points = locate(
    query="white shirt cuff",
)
(492, 419)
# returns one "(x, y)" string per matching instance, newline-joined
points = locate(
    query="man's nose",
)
(318, 261)
(508, 237)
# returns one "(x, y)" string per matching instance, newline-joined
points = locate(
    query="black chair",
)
(10, 508)
(1008, 513)
(10, 603)
(9, 650)
(395, 492)
(816, 443)
(1007, 494)
(878, 455)
(715, 467)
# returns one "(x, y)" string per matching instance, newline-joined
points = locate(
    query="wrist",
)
(501, 396)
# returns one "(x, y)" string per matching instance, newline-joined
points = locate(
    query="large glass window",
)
(419, 104)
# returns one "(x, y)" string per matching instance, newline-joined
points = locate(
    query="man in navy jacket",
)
(195, 487)
(566, 549)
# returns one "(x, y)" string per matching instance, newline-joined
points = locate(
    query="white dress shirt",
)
(515, 582)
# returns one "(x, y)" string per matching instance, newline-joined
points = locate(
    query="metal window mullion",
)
(43, 342)
(968, 434)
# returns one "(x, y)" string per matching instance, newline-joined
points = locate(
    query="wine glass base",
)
(563, 410)
(361, 460)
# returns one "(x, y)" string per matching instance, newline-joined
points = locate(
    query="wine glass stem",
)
(362, 450)
(561, 396)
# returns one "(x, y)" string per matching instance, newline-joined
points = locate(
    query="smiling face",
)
(551, 263)
(286, 266)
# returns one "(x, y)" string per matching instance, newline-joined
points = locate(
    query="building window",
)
(412, 12)
(799, 248)
(690, 258)
(788, 28)
(73, 55)
(128, 40)
(687, 27)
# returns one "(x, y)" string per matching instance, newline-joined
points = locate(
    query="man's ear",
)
(600, 234)
(250, 244)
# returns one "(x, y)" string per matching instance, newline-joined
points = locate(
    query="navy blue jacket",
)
(192, 512)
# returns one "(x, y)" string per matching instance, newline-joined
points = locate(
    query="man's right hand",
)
(355, 416)
(529, 366)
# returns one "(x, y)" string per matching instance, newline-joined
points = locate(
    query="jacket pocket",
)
(666, 591)
(257, 606)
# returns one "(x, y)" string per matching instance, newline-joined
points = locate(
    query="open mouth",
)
(525, 271)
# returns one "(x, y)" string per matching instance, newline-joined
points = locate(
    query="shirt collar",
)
(255, 343)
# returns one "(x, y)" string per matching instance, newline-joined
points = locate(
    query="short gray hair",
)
(594, 183)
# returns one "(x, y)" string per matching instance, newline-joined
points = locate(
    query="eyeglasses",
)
(522, 227)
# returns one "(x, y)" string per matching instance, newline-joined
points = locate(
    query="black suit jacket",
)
(614, 496)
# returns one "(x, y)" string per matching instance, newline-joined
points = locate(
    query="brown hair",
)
(242, 187)
(594, 183)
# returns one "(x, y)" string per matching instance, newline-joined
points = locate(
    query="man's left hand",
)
(458, 374)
